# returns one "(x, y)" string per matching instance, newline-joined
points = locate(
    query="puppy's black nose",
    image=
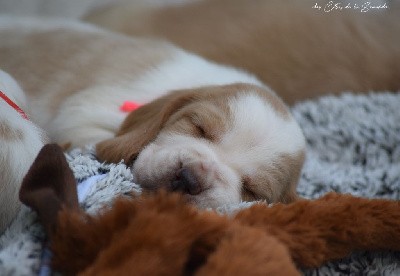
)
(186, 182)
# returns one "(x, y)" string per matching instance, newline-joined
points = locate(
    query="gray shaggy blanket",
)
(353, 147)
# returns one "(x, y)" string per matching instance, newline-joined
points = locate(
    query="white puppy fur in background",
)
(20, 142)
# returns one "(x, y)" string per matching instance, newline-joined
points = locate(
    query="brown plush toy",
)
(162, 234)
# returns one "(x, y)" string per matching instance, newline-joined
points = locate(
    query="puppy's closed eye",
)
(198, 127)
(247, 193)
(203, 128)
(192, 126)
(201, 132)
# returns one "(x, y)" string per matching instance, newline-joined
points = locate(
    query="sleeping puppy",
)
(213, 132)
(299, 51)
(20, 142)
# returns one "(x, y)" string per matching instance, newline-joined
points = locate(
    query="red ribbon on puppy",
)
(13, 105)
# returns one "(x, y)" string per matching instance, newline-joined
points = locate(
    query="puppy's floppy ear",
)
(141, 127)
(49, 186)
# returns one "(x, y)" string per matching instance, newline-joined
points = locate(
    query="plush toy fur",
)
(162, 234)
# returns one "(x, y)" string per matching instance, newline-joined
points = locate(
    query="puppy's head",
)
(219, 145)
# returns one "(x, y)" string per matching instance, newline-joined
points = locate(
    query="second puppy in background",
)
(299, 51)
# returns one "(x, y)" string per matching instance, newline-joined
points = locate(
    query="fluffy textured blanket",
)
(353, 147)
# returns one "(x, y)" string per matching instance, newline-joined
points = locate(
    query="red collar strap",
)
(13, 105)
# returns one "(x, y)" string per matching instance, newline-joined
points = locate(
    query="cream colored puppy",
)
(213, 132)
(20, 142)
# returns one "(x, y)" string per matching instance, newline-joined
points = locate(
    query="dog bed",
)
(353, 147)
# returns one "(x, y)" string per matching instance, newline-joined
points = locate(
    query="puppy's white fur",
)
(180, 71)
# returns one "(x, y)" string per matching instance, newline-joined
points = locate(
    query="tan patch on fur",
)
(298, 51)
(207, 115)
(143, 125)
(9, 133)
(277, 104)
(140, 127)
(277, 182)
(294, 165)
(214, 99)
(207, 120)
(63, 69)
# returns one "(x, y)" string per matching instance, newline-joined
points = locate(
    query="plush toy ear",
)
(141, 127)
(49, 186)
